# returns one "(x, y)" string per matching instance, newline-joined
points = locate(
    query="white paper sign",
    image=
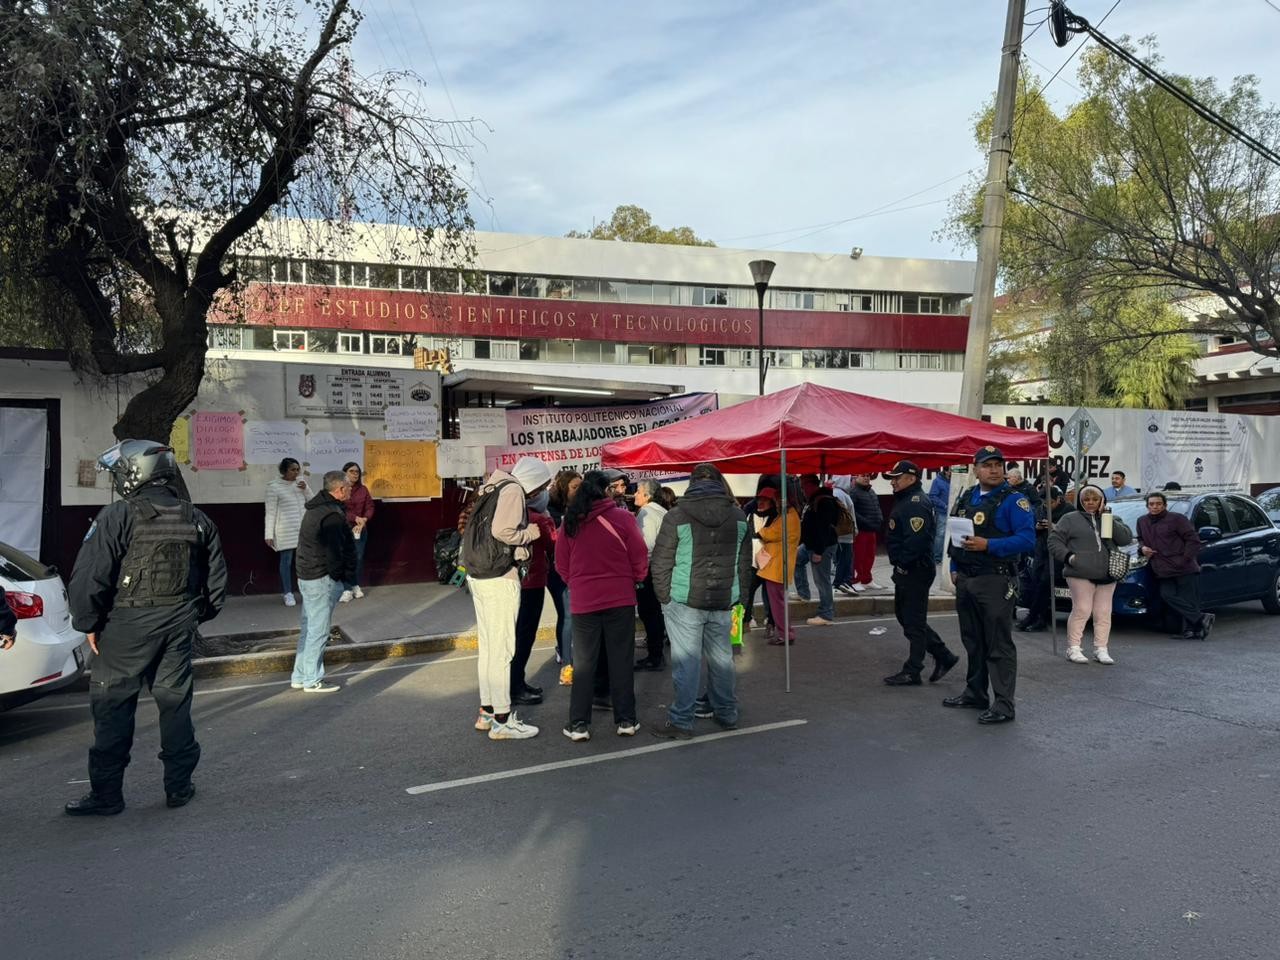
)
(456, 458)
(959, 529)
(412, 423)
(329, 451)
(482, 426)
(270, 441)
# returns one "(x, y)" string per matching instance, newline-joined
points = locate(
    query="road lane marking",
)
(599, 758)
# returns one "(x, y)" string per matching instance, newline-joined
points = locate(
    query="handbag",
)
(1118, 563)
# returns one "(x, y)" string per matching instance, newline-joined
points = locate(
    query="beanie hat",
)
(531, 473)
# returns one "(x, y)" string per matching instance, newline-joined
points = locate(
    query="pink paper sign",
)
(217, 441)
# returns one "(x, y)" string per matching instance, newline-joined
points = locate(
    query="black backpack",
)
(483, 555)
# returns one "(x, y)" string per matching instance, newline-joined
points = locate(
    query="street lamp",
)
(761, 271)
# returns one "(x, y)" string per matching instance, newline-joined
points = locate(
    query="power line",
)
(1272, 5)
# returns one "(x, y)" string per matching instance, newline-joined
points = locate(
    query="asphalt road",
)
(1130, 812)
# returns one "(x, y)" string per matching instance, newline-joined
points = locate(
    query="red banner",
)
(460, 315)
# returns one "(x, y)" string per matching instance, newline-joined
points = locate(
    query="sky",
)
(758, 124)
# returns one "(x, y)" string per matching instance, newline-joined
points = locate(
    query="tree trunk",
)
(151, 413)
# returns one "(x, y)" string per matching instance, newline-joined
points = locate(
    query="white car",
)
(48, 653)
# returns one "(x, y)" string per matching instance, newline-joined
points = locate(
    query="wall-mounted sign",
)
(338, 391)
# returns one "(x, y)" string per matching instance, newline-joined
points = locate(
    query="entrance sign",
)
(343, 391)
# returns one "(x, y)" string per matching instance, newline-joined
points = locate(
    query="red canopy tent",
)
(814, 429)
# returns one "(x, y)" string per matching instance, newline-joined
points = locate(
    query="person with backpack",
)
(495, 553)
(818, 543)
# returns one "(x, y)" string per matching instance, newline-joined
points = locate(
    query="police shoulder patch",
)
(892, 523)
(916, 498)
(917, 524)
(1025, 504)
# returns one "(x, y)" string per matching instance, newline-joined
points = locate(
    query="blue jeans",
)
(696, 634)
(286, 570)
(566, 635)
(822, 574)
(319, 597)
(939, 535)
(801, 573)
(361, 543)
(844, 564)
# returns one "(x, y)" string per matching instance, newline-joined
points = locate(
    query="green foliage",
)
(1128, 191)
(636, 225)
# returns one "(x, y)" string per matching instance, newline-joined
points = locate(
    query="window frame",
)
(290, 334)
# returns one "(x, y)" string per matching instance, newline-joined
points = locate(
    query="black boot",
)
(180, 798)
(95, 805)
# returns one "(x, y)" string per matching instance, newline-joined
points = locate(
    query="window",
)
(611, 291)
(502, 284)
(834, 359)
(559, 289)
(322, 341)
(290, 340)
(320, 273)
(497, 350)
(386, 344)
(558, 351)
(637, 353)
(919, 361)
(930, 305)
(530, 349)
(586, 289)
(639, 292)
(226, 338)
(413, 278)
(1245, 515)
(711, 357)
(710, 297)
(665, 293)
(531, 287)
(384, 277)
(862, 361)
(444, 280)
(667, 353)
(351, 343)
(1209, 513)
(474, 281)
(353, 275)
(261, 338)
(253, 269)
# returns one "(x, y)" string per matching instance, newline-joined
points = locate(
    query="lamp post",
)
(761, 271)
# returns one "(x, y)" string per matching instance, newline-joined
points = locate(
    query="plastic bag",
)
(739, 621)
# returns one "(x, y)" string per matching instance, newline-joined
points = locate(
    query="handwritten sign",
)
(180, 440)
(412, 423)
(457, 458)
(401, 468)
(270, 441)
(483, 426)
(217, 441)
(329, 451)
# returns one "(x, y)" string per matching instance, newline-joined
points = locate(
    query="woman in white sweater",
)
(285, 503)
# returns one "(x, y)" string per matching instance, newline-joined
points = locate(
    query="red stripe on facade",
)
(460, 315)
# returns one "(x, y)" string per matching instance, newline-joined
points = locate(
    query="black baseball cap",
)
(988, 453)
(901, 467)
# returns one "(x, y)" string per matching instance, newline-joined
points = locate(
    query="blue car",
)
(1239, 561)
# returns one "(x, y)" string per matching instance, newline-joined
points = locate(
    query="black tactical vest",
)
(159, 567)
(975, 563)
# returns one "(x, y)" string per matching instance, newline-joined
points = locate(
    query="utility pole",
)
(996, 188)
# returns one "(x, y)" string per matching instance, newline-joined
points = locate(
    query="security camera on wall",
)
(855, 253)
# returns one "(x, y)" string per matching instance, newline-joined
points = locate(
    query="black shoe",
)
(965, 701)
(1185, 635)
(669, 731)
(726, 724)
(942, 667)
(1034, 626)
(702, 709)
(601, 703)
(649, 663)
(536, 691)
(1022, 625)
(526, 698)
(94, 805)
(180, 798)
(990, 716)
(903, 679)
(1206, 626)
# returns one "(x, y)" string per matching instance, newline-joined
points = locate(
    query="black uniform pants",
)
(984, 606)
(911, 607)
(655, 624)
(126, 661)
(608, 635)
(532, 600)
(1182, 594)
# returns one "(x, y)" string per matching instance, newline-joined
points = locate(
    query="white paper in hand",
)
(958, 529)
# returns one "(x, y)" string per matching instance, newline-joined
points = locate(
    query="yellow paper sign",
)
(180, 440)
(401, 468)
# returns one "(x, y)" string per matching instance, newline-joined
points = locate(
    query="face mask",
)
(540, 502)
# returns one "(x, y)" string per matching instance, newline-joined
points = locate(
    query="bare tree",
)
(146, 141)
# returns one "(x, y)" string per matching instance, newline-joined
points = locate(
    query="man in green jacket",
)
(701, 568)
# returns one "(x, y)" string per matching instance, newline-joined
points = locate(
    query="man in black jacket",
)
(818, 544)
(910, 543)
(1037, 596)
(326, 560)
(149, 572)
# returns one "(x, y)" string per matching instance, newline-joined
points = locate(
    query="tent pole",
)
(786, 582)
(1053, 600)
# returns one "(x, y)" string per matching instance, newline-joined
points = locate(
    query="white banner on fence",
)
(571, 437)
(1202, 451)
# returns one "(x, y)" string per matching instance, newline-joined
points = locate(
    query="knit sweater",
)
(604, 561)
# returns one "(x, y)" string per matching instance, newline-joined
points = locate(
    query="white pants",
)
(497, 603)
(1089, 600)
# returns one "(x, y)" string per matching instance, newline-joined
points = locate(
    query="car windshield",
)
(1129, 510)
(16, 565)
(1270, 502)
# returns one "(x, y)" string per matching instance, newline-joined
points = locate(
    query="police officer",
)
(984, 567)
(910, 542)
(150, 570)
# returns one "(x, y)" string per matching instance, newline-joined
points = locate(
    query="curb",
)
(281, 661)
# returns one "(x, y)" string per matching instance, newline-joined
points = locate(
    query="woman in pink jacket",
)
(601, 555)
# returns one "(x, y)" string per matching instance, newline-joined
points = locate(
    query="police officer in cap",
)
(910, 542)
(150, 570)
(985, 570)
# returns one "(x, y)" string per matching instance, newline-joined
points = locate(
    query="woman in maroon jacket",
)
(1171, 545)
(601, 555)
(359, 513)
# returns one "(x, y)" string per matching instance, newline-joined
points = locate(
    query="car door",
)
(1257, 543)
(1219, 562)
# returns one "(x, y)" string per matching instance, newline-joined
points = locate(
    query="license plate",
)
(1062, 593)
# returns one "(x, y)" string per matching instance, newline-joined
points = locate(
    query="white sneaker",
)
(484, 721)
(578, 732)
(294, 685)
(513, 729)
(289, 601)
(793, 595)
(628, 729)
(1100, 654)
(322, 687)
(346, 597)
(358, 593)
(876, 586)
(819, 622)
(859, 588)
(1075, 656)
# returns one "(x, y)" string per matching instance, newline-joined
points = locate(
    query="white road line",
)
(600, 758)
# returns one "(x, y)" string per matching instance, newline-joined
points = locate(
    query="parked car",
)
(48, 654)
(1239, 561)
(1269, 500)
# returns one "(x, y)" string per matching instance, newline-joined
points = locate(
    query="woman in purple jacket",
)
(1171, 545)
(601, 555)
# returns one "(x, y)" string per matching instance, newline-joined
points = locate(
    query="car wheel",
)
(1271, 601)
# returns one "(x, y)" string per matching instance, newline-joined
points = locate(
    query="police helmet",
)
(133, 464)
